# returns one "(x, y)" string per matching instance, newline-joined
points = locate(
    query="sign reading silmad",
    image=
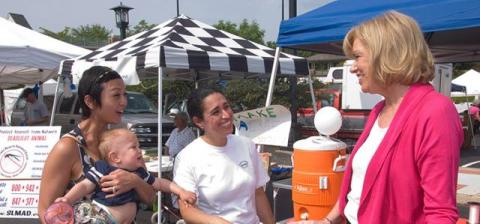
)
(22, 156)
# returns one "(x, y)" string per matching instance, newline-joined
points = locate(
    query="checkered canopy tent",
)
(185, 49)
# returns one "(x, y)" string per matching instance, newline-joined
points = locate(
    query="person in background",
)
(36, 112)
(474, 112)
(404, 166)
(181, 136)
(119, 149)
(224, 170)
(103, 99)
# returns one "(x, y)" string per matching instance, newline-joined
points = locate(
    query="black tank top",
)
(87, 162)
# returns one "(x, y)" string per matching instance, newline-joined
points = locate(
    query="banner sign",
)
(19, 198)
(265, 126)
(22, 156)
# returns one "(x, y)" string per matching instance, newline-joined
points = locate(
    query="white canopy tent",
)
(27, 57)
(471, 80)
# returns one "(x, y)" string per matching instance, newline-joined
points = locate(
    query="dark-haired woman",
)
(103, 99)
(223, 169)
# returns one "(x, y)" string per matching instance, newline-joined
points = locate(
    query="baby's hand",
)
(62, 199)
(188, 196)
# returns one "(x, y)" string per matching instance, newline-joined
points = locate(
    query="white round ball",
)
(328, 120)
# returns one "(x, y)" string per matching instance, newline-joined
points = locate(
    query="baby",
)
(119, 149)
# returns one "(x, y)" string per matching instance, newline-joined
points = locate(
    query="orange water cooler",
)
(318, 165)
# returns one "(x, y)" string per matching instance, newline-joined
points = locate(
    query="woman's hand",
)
(188, 196)
(118, 182)
(63, 199)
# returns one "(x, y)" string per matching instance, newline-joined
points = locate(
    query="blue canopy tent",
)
(452, 27)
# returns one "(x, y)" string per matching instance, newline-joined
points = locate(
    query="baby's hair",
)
(106, 140)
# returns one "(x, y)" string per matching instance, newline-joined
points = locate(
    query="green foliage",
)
(86, 36)
(93, 32)
(227, 26)
(462, 99)
(248, 92)
(181, 89)
(140, 27)
(460, 68)
(92, 36)
(271, 44)
(150, 88)
(252, 93)
(63, 35)
(250, 31)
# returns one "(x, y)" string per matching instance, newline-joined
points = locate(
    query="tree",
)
(91, 32)
(462, 67)
(140, 27)
(63, 35)
(91, 36)
(250, 31)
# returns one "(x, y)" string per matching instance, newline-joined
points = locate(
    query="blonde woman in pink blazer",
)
(404, 166)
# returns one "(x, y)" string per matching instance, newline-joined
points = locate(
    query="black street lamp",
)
(121, 17)
(178, 8)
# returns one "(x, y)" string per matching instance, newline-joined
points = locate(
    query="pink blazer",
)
(412, 176)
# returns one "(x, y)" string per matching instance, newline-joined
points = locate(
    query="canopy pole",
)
(159, 141)
(312, 93)
(55, 99)
(273, 76)
(470, 124)
(197, 77)
(3, 113)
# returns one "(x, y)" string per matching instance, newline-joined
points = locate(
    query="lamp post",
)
(178, 8)
(121, 17)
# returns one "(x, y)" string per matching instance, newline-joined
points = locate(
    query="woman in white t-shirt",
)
(224, 170)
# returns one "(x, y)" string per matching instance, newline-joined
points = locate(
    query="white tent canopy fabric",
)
(471, 80)
(185, 49)
(27, 56)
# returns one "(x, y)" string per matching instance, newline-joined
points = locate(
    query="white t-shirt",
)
(178, 140)
(224, 178)
(359, 166)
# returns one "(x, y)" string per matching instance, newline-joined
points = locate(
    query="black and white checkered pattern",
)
(184, 43)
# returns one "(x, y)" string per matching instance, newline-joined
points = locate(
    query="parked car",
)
(140, 116)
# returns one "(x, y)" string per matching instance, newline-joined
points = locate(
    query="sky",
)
(55, 15)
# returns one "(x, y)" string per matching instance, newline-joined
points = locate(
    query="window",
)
(338, 74)
(139, 103)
